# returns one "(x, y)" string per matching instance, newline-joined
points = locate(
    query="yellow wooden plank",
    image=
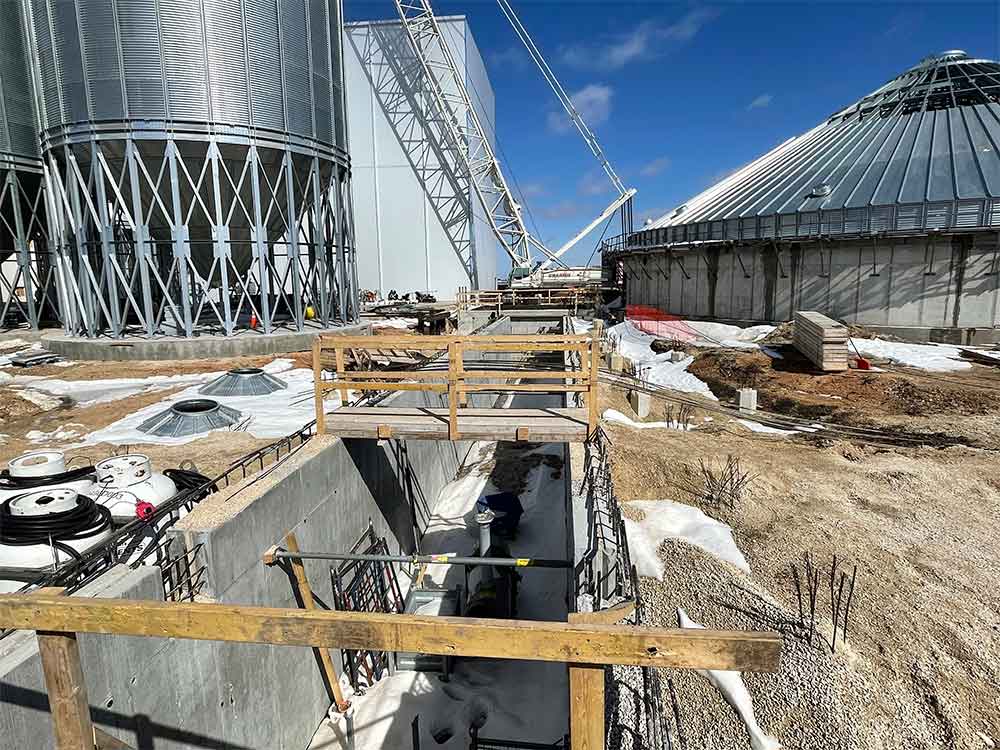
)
(318, 386)
(64, 682)
(586, 707)
(104, 741)
(455, 636)
(327, 669)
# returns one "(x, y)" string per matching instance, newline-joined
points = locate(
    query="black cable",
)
(84, 520)
(10, 482)
(187, 480)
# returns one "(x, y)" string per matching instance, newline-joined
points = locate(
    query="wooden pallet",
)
(822, 340)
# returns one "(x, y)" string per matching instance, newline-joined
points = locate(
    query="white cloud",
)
(562, 210)
(532, 190)
(593, 183)
(764, 100)
(643, 42)
(514, 56)
(654, 167)
(593, 102)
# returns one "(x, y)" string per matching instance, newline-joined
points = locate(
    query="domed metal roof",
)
(920, 152)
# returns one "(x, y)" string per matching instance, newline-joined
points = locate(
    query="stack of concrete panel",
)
(822, 340)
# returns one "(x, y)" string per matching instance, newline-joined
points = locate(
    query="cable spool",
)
(48, 527)
(44, 468)
(127, 486)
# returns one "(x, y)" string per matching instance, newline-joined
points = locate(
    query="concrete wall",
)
(402, 242)
(176, 694)
(942, 285)
(172, 694)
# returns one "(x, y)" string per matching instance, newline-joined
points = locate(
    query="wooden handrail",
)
(453, 381)
(584, 646)
(580, 643)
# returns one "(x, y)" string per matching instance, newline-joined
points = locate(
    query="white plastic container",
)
(42, 557)
(125, 481)
(39, 465)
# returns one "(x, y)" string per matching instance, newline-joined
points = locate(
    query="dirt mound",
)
(791, 385)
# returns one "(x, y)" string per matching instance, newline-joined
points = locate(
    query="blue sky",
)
(680, 94)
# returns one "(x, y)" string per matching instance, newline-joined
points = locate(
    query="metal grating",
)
(366, 586)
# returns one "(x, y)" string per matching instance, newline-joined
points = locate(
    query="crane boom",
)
(564, 98)
(462, 129)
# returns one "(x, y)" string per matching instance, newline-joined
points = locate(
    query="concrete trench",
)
(171, 693)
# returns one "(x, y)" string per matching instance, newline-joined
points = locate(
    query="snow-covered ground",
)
(656, 369)
(275, 415)
(933, 357)
(666, 519)
(520, 700)
(395, 323)
(90, 392)
(613, 415)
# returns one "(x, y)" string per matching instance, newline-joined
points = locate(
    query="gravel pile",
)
(816, 700)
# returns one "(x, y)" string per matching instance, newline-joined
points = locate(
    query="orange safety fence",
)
(657, 323)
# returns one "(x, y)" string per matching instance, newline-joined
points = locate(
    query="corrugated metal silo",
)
(24, 269)
(201, 163)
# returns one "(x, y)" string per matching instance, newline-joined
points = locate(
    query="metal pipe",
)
(443, 559)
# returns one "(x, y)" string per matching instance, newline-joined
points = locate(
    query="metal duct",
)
(243, 381)
(190, 417)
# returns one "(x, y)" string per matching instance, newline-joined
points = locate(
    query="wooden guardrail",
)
(565, 297)
(454, 381)
(584, 646)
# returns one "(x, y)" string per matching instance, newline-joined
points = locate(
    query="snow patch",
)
(612, 415)
(275, 415)
(42, 400)
(932, 357)
(665, 519)
(656, 369)
(90, 392)
(395, 323)
(730, 684)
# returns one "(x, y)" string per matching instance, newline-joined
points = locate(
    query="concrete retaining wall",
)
(173, 694)
(945, 286)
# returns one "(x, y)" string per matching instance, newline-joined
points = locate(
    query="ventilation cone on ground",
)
(243, 381)
(190, 417)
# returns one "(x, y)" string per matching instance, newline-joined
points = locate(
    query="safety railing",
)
(564, 297)
(455, 381)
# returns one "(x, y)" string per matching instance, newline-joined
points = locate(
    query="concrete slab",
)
(246, 343)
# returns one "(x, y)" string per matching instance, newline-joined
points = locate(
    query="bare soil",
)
(964, 405)
(211, 454)
(922, 662)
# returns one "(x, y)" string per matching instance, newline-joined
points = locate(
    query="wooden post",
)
(463, 397)
(67, 691)
(318, 384)
(595, 355)
(305, 592)
(453, 352)
(339, 354)
(586, 703)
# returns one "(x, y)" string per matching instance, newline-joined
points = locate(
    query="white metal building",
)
(416, 224)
